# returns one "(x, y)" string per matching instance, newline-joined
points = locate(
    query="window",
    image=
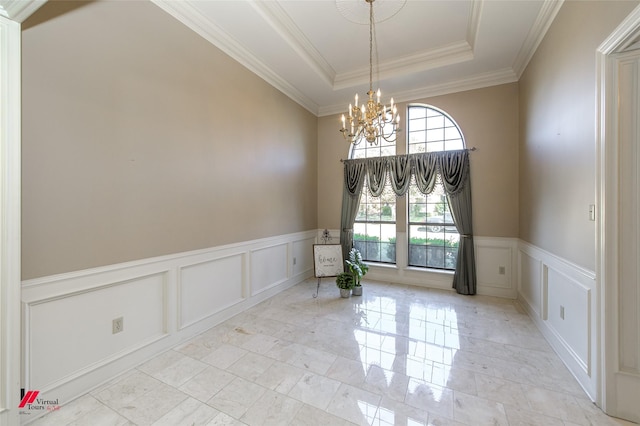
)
(432, 236)
(374, 230)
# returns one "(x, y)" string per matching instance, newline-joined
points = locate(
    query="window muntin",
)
(374, 230)
(430, 129)
(432, 236)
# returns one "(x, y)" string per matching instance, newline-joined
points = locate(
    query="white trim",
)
(423, 61)
(479, 81)
(579, 282)
(607, 226)
(70, 297)
(536, 34)
(18, 11)
(9, 220)
(193, 19)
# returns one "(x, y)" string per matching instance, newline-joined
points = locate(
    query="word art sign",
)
(327, 260)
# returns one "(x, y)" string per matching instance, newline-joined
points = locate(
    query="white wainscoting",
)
(560, 298)
(496, 265)
(495, 260)
(69, 347)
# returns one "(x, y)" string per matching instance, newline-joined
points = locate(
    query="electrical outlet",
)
(561, 311)
(117, 325)
(501, 270)
(294, 260)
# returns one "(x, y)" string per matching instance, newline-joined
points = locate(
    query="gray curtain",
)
(354, 174)
(453, 169)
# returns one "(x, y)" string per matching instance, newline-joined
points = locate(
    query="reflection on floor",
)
(397, 355)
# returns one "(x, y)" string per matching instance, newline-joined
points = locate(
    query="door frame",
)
(622, 38)
(12, 14)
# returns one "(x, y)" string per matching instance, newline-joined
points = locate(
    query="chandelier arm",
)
(370, 120)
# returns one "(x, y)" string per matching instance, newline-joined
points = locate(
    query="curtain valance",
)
(452, 166)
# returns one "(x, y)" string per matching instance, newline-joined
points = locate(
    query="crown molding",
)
(273, 13)
(434, 58)
(474, 22)
(543, 21)
(19, 10)
(193, 19)
(478, 81)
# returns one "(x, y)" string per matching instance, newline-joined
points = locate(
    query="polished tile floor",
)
(397, 355)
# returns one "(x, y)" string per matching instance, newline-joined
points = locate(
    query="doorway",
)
(618, 262)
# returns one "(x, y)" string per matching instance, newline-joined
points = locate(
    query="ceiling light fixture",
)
(373, 121)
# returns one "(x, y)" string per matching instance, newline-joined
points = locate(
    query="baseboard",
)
(560, 297)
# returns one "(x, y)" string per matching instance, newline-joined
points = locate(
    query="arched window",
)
(374, 230)
(432, 236)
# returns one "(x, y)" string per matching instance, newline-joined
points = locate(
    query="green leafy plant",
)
(344, 281)
(357, 267)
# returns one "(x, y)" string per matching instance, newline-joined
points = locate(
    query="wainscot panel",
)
(268, 267)
(566, 310)
(302, 260)
(496, 260)
(530, 283)
(71, 332)
(209, 287)
(69, 344)
(568, 314)
(495, 268)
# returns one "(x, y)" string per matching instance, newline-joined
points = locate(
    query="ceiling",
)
(317, 51)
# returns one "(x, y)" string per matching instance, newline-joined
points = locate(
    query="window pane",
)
(419, 124)
(375, 226)
(433, 239)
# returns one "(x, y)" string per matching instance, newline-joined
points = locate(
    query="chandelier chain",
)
(372, 121)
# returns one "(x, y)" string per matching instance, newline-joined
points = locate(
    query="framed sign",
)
(327, 260)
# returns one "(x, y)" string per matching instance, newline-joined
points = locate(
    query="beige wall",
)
(140, 139)
(557, 131)
(488, 119)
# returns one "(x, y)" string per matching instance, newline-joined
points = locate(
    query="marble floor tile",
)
(555, 404)
(398, 355)
(312, 416)
(154, 404)
(237, 397)
(391, 412)
(75, 410)
(251, 366)
(207, 383)
(223, 419)
(101, 416)
(180, 371)
(386, 383)
(354, 404)
(496, 389)
(224, 356)
(315, 390)
(125, 391)
(347, 371)
(280, 377)
(188, 412)
(522, 417)
(471, 409)
(272, 409)
(432, 398)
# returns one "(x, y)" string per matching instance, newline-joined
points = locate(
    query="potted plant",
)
(357, 269)
(344, 281)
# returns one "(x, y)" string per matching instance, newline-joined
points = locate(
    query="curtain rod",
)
(470, 149)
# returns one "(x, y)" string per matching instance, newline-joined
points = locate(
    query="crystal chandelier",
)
(373, 121)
